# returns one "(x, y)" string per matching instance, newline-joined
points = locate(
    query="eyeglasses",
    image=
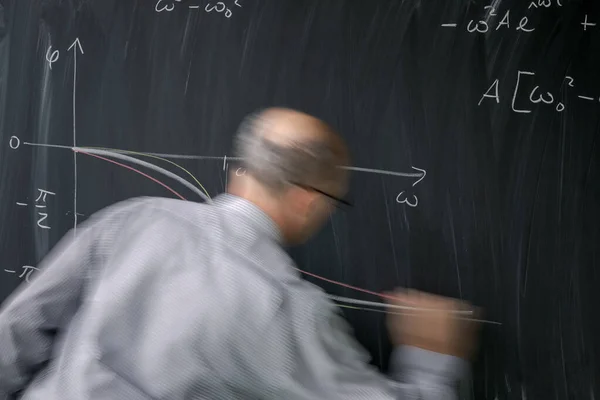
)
(338, 201)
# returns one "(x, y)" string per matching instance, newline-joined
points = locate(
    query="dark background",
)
(508, 212)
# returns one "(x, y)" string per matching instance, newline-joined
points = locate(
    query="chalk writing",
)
(411, 200)
(488, 95)
(586, 98)
(536, 94)
(585, 23)
(422, 171)
(402, 198)
(41, 204)
(14, 142)
(164, 5)
(514, 98)
(480, 27)
(483, 25)
(240, 172)
(43, 194)
(43, 216)
(492, 12)
(51, 57)
(523, 24)
(218, 7)
(505, 21)
(544, 3)
(571, 80)
(26, 272)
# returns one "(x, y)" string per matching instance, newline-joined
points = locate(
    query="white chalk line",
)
(196, 157)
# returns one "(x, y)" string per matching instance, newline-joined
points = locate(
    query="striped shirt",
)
(165, 299)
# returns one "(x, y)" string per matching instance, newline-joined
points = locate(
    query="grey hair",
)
(277, 165)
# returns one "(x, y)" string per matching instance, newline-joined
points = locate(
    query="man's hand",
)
(434, 323)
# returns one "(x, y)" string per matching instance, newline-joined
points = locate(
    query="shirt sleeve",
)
(330, 364)
(32, 316)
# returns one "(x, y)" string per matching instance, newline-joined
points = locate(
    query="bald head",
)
(284, 126)
(292, 165)
(280, 146)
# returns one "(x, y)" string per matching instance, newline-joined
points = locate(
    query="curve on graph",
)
(151, 156)
(385, 296)
(132, 169)
(97, 153)
(134, 160)
(484, 321)
(91, 152)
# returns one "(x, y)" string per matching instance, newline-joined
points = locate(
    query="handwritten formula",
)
(525, 82)
(220, 7)
(491, 16)
(494, 21)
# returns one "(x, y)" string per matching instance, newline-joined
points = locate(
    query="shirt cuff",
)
(413, 364)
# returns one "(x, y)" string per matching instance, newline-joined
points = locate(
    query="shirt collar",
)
(250, 211)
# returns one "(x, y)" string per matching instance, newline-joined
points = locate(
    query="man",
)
(164, 299)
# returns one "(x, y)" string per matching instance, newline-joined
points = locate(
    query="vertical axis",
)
(75, 45)
(74, 145)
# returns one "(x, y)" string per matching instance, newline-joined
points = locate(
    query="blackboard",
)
(476, 123)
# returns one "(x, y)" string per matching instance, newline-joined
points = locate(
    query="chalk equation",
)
(536, 94)
(484, 25)
(40, 206)
(26, 271)
(212, 6)
(487, 23)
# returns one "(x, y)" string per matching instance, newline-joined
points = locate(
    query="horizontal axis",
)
(198, 157)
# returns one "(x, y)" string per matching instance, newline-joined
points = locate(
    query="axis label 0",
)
(14, 142)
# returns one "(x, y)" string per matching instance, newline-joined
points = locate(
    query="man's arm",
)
(323, 360)
(31, 317)
(415, 373)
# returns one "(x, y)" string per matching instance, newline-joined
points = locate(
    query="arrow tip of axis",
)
(78, 43)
